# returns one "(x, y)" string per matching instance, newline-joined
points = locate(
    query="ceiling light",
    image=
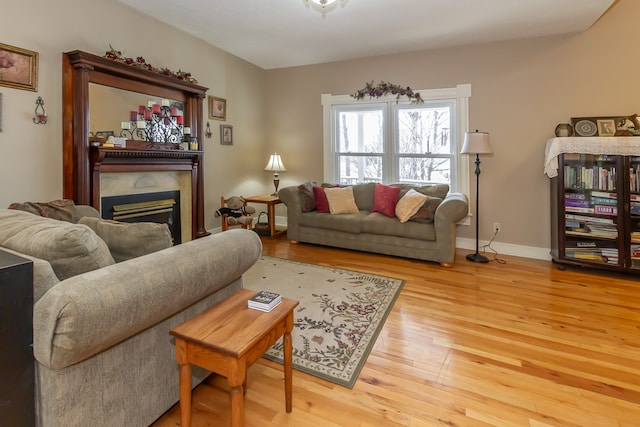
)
(325, 6)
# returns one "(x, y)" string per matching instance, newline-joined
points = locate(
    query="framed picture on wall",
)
(226, 134)
(18, 68)
(217, 108)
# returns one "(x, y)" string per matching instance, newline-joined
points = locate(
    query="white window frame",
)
(461, 93)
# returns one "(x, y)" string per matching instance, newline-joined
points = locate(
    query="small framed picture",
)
(226, 134)
(18, 68)
(606, 127)
(217, 108)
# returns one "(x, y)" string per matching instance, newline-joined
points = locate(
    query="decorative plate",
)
(586, 128)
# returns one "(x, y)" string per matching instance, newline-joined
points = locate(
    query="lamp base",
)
(476, 257)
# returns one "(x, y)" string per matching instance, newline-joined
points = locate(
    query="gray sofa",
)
(102, 347)
(375, 232)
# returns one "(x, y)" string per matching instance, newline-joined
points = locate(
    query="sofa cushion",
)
(377, 223)
(363, 193)
(71, 249)
(385, 198)
(409, 204)
(350, 223)
(427, 211)
(322, 204)
(341, 200)
(307, 199)
(128, 240)
(436, 190)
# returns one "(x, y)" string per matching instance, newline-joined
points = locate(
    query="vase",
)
(564, 129)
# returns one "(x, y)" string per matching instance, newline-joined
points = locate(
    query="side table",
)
(271, 201)
(227, 339)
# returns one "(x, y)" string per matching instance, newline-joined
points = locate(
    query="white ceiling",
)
(285, 33)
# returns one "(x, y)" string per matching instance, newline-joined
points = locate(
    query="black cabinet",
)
(17, 376)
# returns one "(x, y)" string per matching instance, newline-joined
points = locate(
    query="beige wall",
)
(31, 155)
(520, 91)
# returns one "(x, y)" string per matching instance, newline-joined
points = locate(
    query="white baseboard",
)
(507, 249)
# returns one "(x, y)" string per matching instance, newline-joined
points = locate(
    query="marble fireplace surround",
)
(129, 183)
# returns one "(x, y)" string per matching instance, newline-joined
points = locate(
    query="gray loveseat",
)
(103, 351)
(375, 232)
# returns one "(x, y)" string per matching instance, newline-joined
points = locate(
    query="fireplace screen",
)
(162, 207)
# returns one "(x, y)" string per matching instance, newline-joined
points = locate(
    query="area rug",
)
(340, 314)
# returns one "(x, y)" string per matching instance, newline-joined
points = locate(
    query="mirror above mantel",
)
(83, 164)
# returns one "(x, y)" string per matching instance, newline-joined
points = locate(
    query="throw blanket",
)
(61, 209)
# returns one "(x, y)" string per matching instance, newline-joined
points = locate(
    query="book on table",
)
(264, 301)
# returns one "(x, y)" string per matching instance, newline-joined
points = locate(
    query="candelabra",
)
(160, 123)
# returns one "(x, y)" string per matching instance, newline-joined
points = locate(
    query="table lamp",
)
(275, 165)
(478, 143)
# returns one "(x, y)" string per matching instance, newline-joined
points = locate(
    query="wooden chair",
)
(223, 218)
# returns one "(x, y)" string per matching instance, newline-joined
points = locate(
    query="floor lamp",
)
(275, 165)
(477, 143)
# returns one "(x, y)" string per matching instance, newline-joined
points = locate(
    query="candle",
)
(133, 116)
(141, 109)
(125, 125)
(156, 108)
(193, 144)
(173, 111)
(180, 120)
(165, 103)
(147, 114)
(141, 124)
(187, 130)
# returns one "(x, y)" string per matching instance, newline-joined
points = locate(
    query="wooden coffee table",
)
(227, 339)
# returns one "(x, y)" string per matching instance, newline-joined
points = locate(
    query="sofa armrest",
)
(453, 208)
(290, 196)
(90, 312)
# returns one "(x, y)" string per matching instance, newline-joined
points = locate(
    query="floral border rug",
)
(340, 314)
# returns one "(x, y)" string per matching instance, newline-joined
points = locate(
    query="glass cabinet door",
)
(634, 211)
(591, 205)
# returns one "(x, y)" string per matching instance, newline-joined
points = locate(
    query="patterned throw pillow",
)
(427, 211)
(322, 204)
(385, 199)
(341, 200)
(307, 199)
(409, 205)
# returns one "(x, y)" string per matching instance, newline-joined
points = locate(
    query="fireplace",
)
(161, 207)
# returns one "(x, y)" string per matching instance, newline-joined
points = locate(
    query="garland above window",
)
(140, 62)
(386, 88)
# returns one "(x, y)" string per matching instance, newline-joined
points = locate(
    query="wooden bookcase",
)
(595, 211)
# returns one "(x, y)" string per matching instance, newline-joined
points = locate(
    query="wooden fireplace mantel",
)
(83, 164)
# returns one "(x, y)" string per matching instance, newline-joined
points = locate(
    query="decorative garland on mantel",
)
(139, 62)
(386, 88)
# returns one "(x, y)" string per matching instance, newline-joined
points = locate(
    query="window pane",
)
(424, 170)
(424, 130)
(356, 169)
(360, 131)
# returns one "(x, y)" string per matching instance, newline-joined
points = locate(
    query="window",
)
(397, 142)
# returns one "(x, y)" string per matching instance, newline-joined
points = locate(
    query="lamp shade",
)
(476, 143)
(275, 163)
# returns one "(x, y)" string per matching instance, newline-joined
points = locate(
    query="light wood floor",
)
(515, 344)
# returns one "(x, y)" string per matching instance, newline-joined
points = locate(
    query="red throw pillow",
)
(322, 204)
(385, 199)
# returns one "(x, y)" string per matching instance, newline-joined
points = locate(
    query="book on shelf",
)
(635, 208)
(589, 218)
(577, 203)
(264, 301)
(578, 196)
(604, 194)
(605, 210)
(604, 201)
(579, 210)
